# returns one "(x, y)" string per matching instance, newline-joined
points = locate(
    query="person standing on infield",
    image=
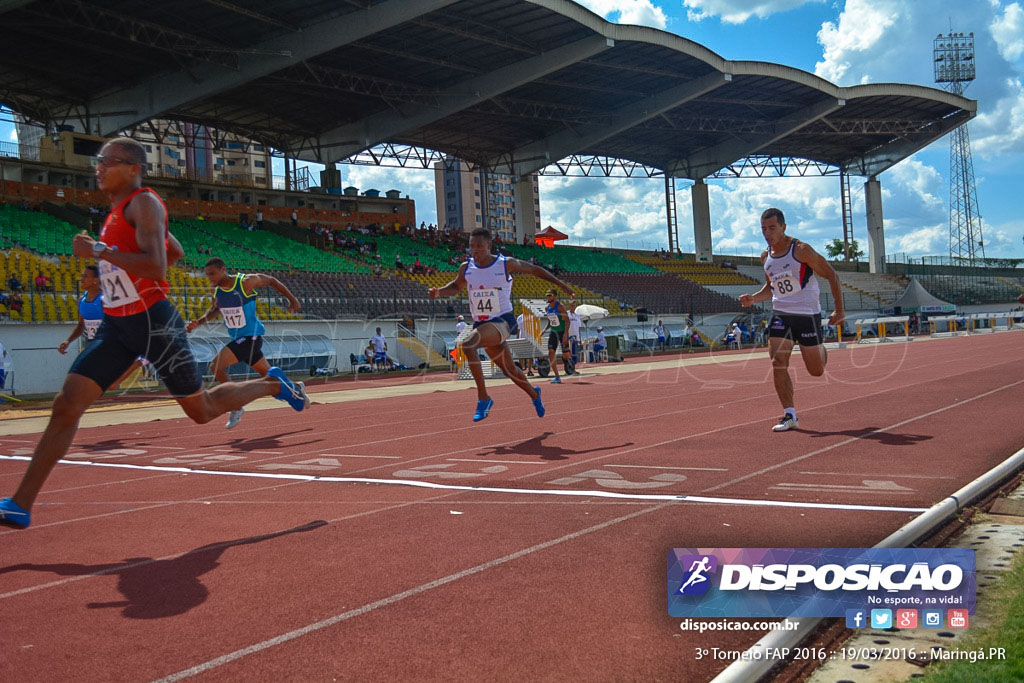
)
(138, 320)
(234, 297)
(487, 280)
(790, 267)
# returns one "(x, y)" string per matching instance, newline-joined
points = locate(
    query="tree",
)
(834, 250)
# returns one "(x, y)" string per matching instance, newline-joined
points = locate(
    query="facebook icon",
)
(856, 618)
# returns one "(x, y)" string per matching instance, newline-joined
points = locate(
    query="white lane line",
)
(376, 457)
(835, 487)
(662, 467)
(885, 475)
(661, 497)
(786, 463)
(392, 599)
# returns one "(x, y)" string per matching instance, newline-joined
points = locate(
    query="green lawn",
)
(1005, 605)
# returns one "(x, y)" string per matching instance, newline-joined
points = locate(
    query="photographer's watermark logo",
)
(696, 581)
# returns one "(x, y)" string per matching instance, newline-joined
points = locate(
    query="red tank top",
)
(125, 294)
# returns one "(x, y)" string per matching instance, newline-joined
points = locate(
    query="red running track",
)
(159, 574)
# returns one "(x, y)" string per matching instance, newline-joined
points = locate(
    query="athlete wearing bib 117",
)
(790, 267)
(133, 253)
(234, 298)
(487, 280)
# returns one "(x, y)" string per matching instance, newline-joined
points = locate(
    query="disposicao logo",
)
(696, 581)
(825, 582)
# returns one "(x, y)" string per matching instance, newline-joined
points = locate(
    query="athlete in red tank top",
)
(133, 276)
(126, 294)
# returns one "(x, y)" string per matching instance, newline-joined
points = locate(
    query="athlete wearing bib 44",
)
(791, 269)
(133, 255)
(234, 298)
(487, 281)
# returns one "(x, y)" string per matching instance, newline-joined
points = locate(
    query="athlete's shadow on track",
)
(156, 588)
(261, 443)
(535, 446)
(871, 434)
(111, 444)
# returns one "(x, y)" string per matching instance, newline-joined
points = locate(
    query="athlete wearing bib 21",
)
(138, 321)
(234, 298)
(790, 267)
(487, 281)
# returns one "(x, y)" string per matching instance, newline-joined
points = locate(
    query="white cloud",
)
(998, 130)
(858, 32)
(738, 11)
(13, 136)
(1008, 32)
(639, 12)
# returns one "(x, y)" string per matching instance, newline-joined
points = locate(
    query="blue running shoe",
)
(482, 408)
(557, 380)
(294, 394)
(537, 404)
(12, 514)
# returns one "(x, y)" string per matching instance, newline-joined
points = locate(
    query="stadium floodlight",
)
(955, 69)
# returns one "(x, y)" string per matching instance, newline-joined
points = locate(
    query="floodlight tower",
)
(954, 69)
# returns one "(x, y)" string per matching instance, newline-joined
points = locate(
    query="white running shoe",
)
(786, 423)
(234, 417)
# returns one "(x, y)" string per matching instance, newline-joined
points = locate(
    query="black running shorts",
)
(157, 334)
(248, 350)
(805, 330)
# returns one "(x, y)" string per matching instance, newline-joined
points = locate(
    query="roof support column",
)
(876, 235)
(525, 210)
(701, 220)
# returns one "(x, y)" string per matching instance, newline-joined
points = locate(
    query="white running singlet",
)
(794, 287)
(489, 290)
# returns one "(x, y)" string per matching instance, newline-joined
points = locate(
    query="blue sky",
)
(847, 42)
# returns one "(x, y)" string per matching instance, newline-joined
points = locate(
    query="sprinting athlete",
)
(487, 280)
(234, 297)
(790, 267)
(90, 308)
(558, 334)
(90, 316)
(133, 251)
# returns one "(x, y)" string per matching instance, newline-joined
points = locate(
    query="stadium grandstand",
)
(357, 255)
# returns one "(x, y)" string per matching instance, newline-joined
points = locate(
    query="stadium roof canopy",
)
(510, 85)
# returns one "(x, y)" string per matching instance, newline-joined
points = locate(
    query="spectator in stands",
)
(398, 261)
(377, 270)
(460, 325)
(380, 352)
(574, 332)
(43, 283)
(14, 284)
(731, 336)
(5, 366)
(659, 331)
(14, 302)
(295, 218)
(600, 344)
(259, 219)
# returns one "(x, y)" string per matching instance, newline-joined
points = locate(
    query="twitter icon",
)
(881, 618)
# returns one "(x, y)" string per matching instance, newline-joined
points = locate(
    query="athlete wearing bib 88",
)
(234, 298)
(487, 280)
(790, 267)
(138, 321)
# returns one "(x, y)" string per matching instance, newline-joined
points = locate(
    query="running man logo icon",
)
(696, 581)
